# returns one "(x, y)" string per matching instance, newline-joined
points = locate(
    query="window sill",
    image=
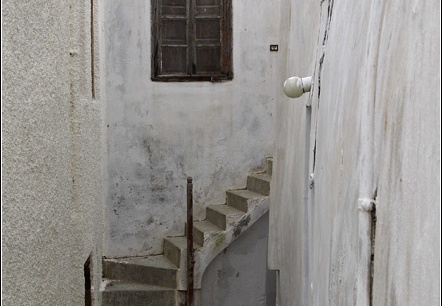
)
(212, 79)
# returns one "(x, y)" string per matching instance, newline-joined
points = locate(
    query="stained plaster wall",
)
(239, 274)
(160, 133)
(373, 131)
(52, 189)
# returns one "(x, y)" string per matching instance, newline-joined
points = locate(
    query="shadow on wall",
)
(239, 275)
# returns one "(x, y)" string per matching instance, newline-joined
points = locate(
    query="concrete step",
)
(223, 215)
(244, 200)
(203, 230)
(173, 247)
(126, 294)
(151, 270)
(259, 183)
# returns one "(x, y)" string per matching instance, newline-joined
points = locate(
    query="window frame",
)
(225, 72)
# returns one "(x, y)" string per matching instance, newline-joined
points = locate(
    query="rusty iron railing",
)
(189, 234)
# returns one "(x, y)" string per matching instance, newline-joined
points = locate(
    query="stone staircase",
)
(160, 280)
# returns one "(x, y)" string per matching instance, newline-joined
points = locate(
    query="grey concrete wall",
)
(160, 133)
(52, 218)
(239, 276)
(372, 132)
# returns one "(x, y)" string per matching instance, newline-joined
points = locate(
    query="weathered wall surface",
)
(239, 275)
(160, 133)
(288, 216)
(52, 218)
(372, 132)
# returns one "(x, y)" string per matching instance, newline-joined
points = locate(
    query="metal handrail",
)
(189, 234)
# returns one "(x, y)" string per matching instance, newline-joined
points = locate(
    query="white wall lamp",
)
(294, 87)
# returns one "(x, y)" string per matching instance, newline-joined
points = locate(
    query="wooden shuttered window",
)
(191, 40)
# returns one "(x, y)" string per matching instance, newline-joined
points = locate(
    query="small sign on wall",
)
(274, 48)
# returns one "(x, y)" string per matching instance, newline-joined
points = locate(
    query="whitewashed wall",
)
(52, 152)
(160, 133)
(239, 274)
(373, 132)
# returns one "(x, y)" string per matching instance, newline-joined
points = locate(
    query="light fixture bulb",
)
(294, 87)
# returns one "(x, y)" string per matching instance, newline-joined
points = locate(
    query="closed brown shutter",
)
(208, 36)
(174, 47)
(191, 40)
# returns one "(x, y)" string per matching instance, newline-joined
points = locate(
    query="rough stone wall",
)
(160, 133)
(52, 218)
(372, 132)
